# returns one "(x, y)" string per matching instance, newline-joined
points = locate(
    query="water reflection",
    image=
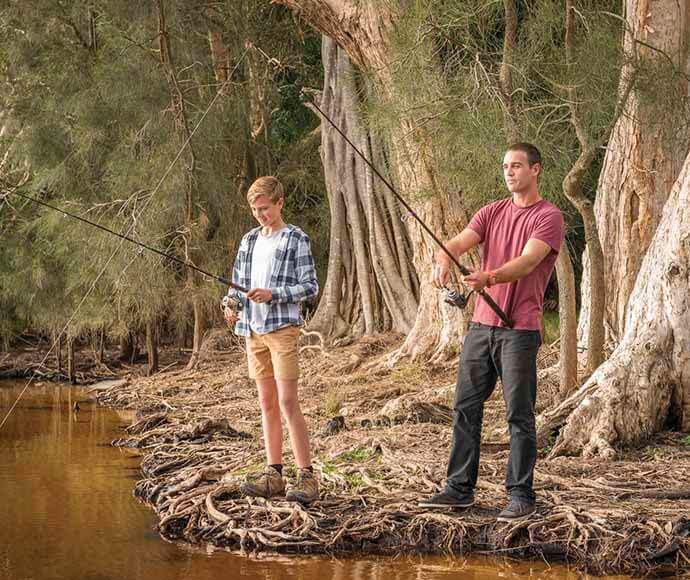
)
(67, 512)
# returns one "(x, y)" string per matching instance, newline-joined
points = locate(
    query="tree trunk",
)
(199, 329)
(151, 348)
(219, 55)
(643, 159)
(645, 385)
(71, 370)
(362, 30)
(58, 350)
(505, 77)
(371, 283)
(567, 314)
(102, 337)
(185, 136)
(129, 349)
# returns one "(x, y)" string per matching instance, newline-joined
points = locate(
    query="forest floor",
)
(199, 433)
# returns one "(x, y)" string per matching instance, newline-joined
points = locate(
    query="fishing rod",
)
(220, 279)
(457, 300)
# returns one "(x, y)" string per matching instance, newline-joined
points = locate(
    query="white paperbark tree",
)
(645, 384)
(643, 158)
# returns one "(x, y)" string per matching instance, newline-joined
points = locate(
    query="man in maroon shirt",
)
(521, 236)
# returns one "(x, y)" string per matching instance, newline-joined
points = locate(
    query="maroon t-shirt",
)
(504, 229)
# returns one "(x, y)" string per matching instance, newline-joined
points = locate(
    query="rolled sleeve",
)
(306, 285)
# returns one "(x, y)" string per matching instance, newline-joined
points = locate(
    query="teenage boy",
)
(520, 236)
(275, 261)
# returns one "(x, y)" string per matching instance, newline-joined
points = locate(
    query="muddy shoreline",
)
(199, 434)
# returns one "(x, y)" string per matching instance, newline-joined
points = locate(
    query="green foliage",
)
(95, 124)
(551, 327)
(446, 81)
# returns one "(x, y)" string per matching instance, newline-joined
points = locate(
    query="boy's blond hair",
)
(268, 186)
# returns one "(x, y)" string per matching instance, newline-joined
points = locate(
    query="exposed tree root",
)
(604, 517)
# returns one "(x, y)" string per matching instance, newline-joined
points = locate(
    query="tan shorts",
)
(275, 354)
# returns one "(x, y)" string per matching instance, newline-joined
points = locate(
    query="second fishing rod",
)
(459, 301)
(220, 279)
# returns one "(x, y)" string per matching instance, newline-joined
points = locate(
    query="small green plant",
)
(354, 480)
(355, 456)
(552, 327)
(549, 443)
(685, 440)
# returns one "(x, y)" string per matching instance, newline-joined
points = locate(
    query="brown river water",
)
(67, 512)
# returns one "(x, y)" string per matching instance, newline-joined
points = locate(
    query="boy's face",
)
(266, 212)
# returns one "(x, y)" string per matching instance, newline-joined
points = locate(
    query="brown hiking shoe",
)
(306, 490)
(268, 483)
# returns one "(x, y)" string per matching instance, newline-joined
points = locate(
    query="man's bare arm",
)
(463, 242)
(532, 254)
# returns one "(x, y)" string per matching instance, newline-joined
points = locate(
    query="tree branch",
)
(505, 75)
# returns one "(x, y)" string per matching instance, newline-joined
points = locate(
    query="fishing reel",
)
(457, 298)
(231, 302)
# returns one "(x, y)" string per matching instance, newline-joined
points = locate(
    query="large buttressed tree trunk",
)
(645, 384)
(371, 283)
(643, 159)
(362, 29)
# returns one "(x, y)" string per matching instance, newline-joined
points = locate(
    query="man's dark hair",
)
(533, 155)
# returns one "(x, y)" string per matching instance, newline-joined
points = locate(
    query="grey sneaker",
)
(306, 489)
(268, 483)
(448, 500)
(517, 509)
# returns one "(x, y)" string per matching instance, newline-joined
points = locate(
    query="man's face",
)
(265, 211)
(518, 174)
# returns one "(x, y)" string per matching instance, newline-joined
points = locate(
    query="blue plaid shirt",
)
(293, 279)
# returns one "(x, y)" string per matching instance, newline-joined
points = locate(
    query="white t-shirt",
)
(262, 267)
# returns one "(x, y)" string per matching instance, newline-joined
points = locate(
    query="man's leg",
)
(477, 375)
(517, 350)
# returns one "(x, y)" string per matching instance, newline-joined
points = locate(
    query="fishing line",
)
(134, 241)
(463, 270)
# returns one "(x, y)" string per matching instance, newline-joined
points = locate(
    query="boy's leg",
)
(285, 357)
(284, 346)
(297, 426)
(270, 420)
(270, 482)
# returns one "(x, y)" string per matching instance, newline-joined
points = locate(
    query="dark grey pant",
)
(488, 353)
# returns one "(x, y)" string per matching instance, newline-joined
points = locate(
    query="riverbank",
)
(199, 434)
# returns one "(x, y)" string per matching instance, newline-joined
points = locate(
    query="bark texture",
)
(567, 313)
(643, 159)
(362, 29)
(371, 283)
(151, 348)
(71, 363)
(645, 384)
